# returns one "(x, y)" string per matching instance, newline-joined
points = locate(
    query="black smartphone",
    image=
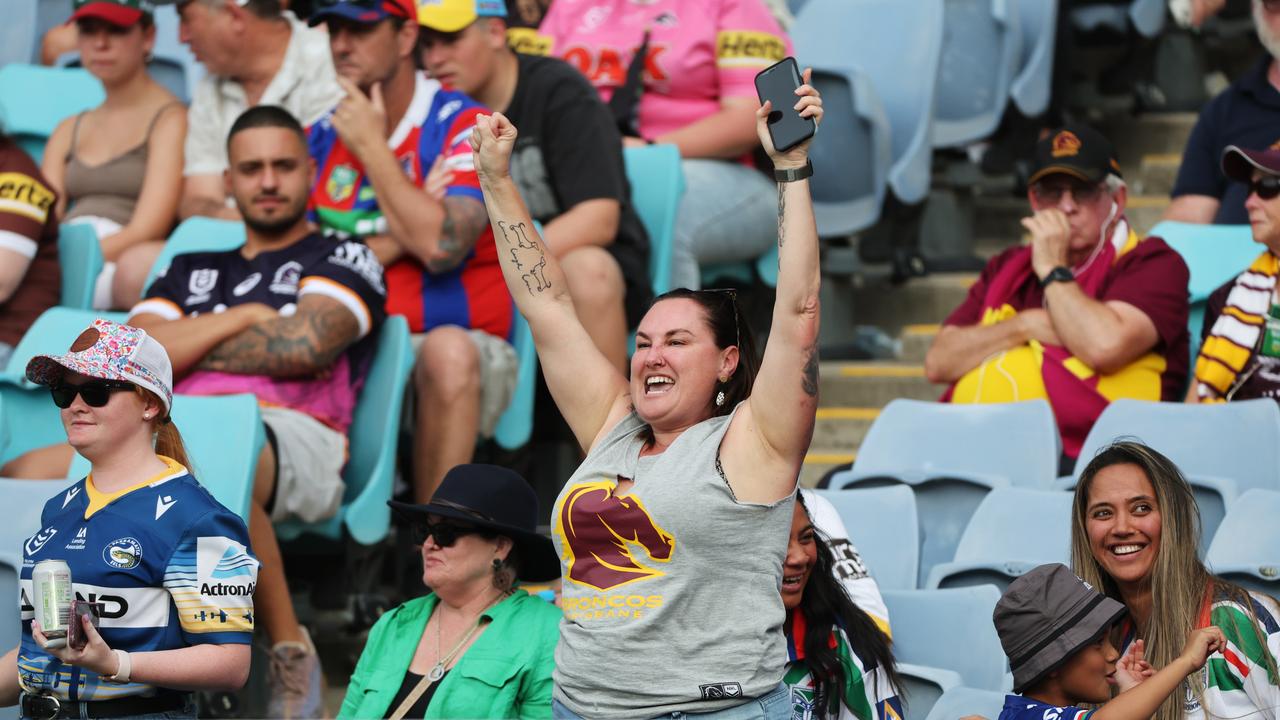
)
(777, 84)
(76, 634)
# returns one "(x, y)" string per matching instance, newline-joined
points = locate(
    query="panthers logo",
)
(599, 530)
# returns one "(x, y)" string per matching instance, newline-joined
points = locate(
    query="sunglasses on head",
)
(95, 393)
(445, 534)
(1267, 186)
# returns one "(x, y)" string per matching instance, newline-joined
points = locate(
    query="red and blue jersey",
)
(344, 204)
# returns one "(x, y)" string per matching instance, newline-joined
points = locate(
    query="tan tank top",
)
(110, 189)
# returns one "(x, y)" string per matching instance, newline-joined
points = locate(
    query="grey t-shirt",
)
(671, 592)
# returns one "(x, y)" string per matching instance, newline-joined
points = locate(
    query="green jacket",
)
(506, 673)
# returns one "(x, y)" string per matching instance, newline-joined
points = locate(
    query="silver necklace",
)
(437, 671)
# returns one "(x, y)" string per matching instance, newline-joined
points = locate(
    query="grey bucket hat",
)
(1045, 617)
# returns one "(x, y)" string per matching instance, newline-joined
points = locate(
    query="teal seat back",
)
(80, 261)
(1214, 254)
(657, 184)
(34, 99)
(223, 435)
(197, 234)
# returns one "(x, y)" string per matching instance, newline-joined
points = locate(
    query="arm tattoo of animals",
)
(300, 345)
(464, 221)
(526, 252)
(809, 380)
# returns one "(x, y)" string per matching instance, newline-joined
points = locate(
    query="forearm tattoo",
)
(782, 213)
(295, 346)
(464, 221)
(809, 380)
(527, 255)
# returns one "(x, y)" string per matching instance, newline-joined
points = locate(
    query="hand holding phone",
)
(76, 635)
(777, 84)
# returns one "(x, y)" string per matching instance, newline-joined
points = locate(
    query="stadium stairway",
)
(851, 394)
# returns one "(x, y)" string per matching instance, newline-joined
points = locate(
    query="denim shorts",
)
(773, 705)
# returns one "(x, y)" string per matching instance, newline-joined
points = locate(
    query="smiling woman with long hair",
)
(1135, 533)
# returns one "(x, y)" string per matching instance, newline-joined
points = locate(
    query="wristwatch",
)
(793, 174)
(1058, 274)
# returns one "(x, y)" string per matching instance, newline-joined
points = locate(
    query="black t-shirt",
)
(1247, 114)
(419, 708)
(569, 151)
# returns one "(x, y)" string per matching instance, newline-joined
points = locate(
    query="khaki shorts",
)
(499, 368)
(309, 460)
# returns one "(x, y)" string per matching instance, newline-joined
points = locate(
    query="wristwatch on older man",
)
(1061, 273)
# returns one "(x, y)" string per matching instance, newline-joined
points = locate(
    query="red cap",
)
(115, 13)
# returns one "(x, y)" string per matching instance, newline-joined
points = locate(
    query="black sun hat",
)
(497, 499)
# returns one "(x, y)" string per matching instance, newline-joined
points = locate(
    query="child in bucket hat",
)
(1055, 628)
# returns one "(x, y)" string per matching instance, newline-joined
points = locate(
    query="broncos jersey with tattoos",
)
(344, 204)
(343, 270)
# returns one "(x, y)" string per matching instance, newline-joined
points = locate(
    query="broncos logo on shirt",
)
(599, 529)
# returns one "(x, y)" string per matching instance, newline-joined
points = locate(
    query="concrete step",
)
(1134, 138)
(843, 427)
(1156, 175)
(1145, 211)
(819, 461)
(916, 340)
(867, 384)
(875, 301)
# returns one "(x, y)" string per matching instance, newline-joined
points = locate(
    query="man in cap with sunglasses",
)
(1087, 313)
(395, 170)
(1246, 114)
(1240, 356)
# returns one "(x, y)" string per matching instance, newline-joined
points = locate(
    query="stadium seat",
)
(1038, 24)
(958, 702)
(1214, 254)
(370, 470)
(34, 99)
(24, 500)
(952, 455)
(1223, 449)
(223, 435)
(883, 526)
(197, 234)
(80, 262)
(49, 14)
(1246, 548)
(657, 184)
(19, 42)
(1012, 531)
(515, 425)
(944, 639)
(981, 50)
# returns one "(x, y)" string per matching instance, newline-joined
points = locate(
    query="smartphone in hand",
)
(777, 84)
(76, 634)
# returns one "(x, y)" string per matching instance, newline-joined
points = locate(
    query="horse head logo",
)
(600, 532)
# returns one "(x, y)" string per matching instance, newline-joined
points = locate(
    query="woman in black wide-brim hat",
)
(475, 646)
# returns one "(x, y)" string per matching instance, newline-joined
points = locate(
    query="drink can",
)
(51, 585)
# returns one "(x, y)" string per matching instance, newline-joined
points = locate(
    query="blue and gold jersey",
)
(170, 565)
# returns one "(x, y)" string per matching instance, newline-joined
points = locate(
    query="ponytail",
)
(169, 443)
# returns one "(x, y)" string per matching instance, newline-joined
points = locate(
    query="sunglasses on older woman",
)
(445, 534)
(95, 393)
(1267, 186)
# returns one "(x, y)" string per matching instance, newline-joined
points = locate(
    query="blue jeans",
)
(773, 705)
(729, 213)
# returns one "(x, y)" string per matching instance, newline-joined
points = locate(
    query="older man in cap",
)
(1240, 356)
(1088, 312)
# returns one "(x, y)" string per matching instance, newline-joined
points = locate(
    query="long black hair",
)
(825, 606)
(730, 329)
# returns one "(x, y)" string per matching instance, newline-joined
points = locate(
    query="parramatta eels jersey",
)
(343, 203)
(171, 566)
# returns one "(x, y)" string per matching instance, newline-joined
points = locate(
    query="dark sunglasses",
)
(1051, 192)
(445, 534)
(1267, 186)
(95, 393)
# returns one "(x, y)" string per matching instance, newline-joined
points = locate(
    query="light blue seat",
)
(884, 527)
(1214, 254)
(1146, 17)
(1038, 24)
(951, 456)
(34, 99)
(80, 261)
(19, 42)
(1012, 531)
(852, 153)
(224, 436)
(958, 702)
(370, 470)
(657, 184)
(24, 501)
(49, 14)
(944, 639)
(198, 234)
(981, 50)
(1223, 449)
(1246, 548)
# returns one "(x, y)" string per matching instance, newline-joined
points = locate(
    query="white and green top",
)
(868, 693)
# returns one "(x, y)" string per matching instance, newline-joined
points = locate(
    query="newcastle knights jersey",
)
(170, 565)
(345, 271)
(344, 204)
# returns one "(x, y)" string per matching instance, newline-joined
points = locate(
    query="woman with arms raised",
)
(673, 531)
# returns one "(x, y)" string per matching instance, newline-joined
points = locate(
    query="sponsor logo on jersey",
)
(802, 703)
(607, 66)
(247, 284)
(341, 183)
(285, 281)
(124, 553)
(529, 41)
(606, 536)
(77, 542)
(24, 195)
(447, 110)
(200, 284)
(721, 691)
(224, 567)
(71, 494)
(748, 48)
(39, 540)
(163, 504)
(358, 258)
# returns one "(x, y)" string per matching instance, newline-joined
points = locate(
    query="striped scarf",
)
(1237, 333)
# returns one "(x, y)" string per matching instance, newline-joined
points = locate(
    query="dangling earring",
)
(720, 395)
